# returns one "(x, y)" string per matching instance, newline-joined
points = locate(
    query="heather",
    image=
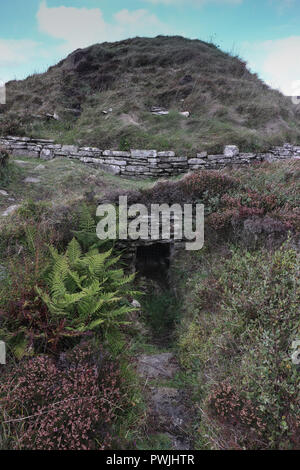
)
(235, 344)
(223, 319)
(68, 403)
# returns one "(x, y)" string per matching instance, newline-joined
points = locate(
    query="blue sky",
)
(35, 34)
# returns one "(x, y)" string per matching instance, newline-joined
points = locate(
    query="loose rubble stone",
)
(32, 180)
(69, 149)
(157, 366)
(231, 151)
(136, 304)
(39, 167)
(185, 114)
(21, 163)
(47, 154)
(10, 210)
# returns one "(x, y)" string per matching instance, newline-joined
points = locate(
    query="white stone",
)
(196, 161)
(116, 153)
(69, 149)
(114, 170)
(10, 210)
(39, 167)
(185, 113)
(2, 353)
(175, 159)
(268, 157)
(46, 154)
(166, 154)
(3, 193)
(143, 153)
(231, 151)
(136, 304)
(32, 180)
(112, 161)
(202, 155)
(20, 163)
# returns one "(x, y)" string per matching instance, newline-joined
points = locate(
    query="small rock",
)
(2, 353)
(32, 180)
(136, 304)
(159, 111)
(158, 365)
(39, 167)
(185, 113)
(268, 157)
(46, 154)
(21, 163)
(3, 193)
(231, 151)
(10, 210)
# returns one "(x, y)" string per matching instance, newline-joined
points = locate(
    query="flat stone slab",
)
(10, 210)
(39, 167)
(21, 163)
(32, 180)
(169, 409)
(157, 366)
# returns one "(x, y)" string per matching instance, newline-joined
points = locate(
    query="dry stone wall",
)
(141, 163)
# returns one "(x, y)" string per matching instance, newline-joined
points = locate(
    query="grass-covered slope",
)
(228, 104)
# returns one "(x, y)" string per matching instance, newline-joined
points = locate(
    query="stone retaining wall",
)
(141, 163)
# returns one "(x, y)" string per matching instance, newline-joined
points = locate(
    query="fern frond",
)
(73, 251)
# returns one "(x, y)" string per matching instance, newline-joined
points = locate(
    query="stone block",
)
(166, 154)
(143, 153)
(69, 149)
(231, 151)
(196, 161)
(46, 154)
(116, 153)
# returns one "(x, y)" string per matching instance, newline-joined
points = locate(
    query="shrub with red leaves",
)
(213, 182)
(230, 407)
(66, 405)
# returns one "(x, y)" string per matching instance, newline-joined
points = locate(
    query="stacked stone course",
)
(141, 163)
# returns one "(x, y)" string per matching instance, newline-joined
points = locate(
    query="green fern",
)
(86, 233)
(86, 289)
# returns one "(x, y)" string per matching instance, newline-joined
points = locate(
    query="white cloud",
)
(73, 28)
(194, 2)
(14, 52)
(277, 62)
(78, 27)
(137, 19)
(81, 27)
(15, 55)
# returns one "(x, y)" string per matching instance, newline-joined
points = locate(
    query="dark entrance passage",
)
(153, 260)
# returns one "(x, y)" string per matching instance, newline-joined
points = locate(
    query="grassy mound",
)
(228, 104)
